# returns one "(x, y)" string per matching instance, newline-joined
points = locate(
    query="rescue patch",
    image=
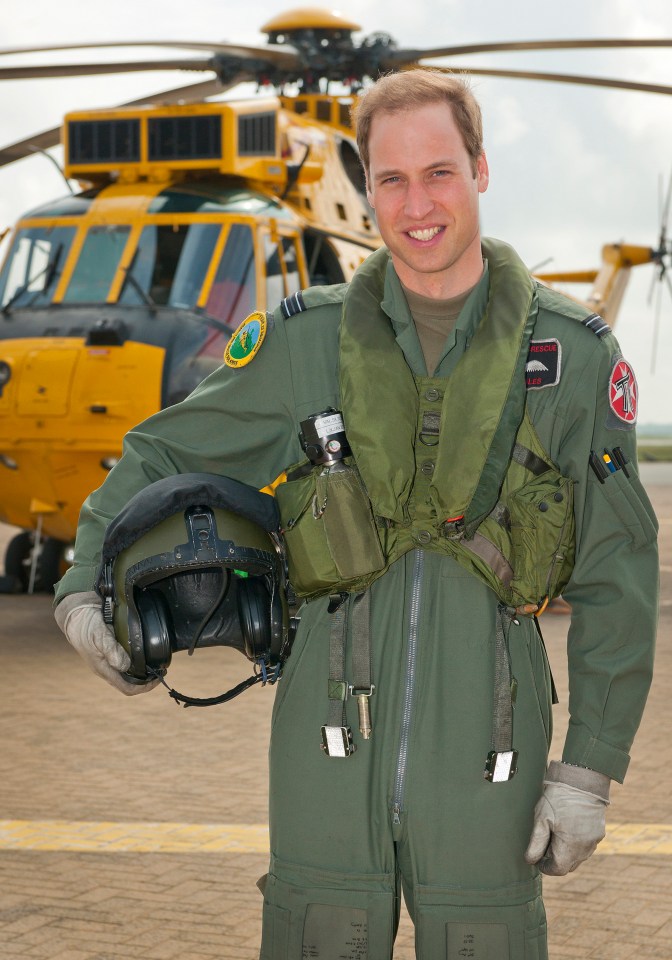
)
(246, 341)
(543, 364)
(623, 392)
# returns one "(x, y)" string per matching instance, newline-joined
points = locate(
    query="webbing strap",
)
(502, 713)
(502, 759)
(529, 459)
(361, 642)
(336, 734)
(337, 689)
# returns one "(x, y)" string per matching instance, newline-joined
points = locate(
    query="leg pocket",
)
(452, 925)
(274, 933)
(316, 913)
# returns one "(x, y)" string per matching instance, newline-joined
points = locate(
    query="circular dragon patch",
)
(623, 392)
(246, 341)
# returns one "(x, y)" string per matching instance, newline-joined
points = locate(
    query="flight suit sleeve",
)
(238, 423)
(613, 590)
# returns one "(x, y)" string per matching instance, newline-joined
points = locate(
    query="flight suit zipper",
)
(409, 687)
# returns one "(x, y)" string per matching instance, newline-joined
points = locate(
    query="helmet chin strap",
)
(224, 589)
(262, 675)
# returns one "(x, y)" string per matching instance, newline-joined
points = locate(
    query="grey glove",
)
(569, 819)
(80, 617)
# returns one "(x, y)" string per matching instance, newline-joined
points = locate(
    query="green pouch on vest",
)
(329, 530)
(524, 550)
(542, 535)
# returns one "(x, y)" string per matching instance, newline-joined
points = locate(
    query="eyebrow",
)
(438, 164)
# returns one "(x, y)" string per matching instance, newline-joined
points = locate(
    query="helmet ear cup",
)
(156, 624)
(253, 612)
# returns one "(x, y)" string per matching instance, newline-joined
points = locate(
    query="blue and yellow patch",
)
(246, 341)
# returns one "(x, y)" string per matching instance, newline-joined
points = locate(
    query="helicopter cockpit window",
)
(97, 264)
(194, 261)
(197, 351)
(282, 269)
(31, 271)
(233, 292)
(170, 264)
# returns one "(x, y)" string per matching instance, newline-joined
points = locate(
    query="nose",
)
(417, 202)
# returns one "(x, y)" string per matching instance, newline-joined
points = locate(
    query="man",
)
(425, 353)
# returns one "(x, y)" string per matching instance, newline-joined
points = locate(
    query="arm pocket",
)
(627, 499)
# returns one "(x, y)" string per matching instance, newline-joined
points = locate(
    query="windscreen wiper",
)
(48, 272)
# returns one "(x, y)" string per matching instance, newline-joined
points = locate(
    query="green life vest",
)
(452, 464)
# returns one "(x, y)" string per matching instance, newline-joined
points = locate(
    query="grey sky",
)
(571, 168)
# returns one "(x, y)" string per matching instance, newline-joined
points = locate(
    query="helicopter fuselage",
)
(119, 300)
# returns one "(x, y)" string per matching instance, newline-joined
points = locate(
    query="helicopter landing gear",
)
(44, 563)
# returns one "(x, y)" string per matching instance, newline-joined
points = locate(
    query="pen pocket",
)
(628, 505)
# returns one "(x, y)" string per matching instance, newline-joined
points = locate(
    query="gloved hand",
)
(80, 617)
(569, 819)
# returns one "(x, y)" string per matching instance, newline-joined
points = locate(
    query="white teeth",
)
(424, 234)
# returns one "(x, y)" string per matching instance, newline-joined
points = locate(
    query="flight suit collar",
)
(395, 306)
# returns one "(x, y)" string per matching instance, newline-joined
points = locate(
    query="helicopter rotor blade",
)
(286, 56)
(396, 58)
(26, 148)
(656, 330)
(92, 69)
(665, 211)
(51, 138)
(563, 78)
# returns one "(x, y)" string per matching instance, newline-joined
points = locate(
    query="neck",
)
(448, 283)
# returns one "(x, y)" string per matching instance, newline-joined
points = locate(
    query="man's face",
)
(422, 186)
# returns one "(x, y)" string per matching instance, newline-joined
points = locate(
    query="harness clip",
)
(452, 528)
(363, 694)
(501, 766)
(337, 741)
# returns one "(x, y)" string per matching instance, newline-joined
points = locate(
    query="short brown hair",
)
(415, 88)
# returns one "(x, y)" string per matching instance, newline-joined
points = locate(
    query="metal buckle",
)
(362, 694)
(453, 528)
(502, 766)
(337, 741)
(106, 592)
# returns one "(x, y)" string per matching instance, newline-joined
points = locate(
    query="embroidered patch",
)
(292, 305)
(246, 341)
(595, 323)
(623, 392)
(543, 364)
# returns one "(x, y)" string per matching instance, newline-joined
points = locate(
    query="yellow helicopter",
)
(118, 300)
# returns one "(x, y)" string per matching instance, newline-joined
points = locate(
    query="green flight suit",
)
(410, 808)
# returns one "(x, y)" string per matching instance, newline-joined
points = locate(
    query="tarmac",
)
(131, 828)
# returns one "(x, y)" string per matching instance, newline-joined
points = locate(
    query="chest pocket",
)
(524, 550)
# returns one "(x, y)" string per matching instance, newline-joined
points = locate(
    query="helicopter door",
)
(282, 269)
(233, 293)
(231, 296)
(170, 264)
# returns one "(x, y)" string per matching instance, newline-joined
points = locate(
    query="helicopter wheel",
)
(51, 562)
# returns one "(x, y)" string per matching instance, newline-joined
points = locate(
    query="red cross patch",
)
(623, 392)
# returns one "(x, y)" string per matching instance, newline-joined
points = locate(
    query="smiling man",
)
(490, 463)
(424, 187)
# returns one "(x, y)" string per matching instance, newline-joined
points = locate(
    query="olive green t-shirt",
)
(434, 321)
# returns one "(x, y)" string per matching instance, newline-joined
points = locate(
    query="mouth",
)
(425, 235)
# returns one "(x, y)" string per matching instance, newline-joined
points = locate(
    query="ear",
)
(482, 173)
